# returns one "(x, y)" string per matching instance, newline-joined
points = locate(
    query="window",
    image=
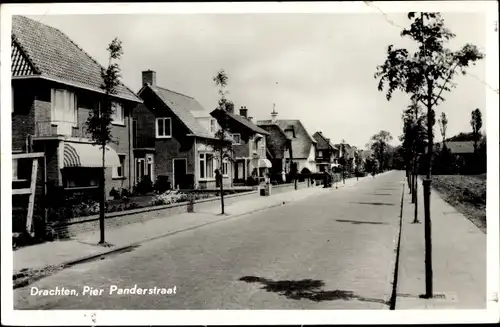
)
(206, 165)
(225, 167)
(119, 171)
(14, 169)
(320, 154)
(163, 127)
(81, 177)
(64, 110)
(237, 138)
(118, 115)
(212, 126)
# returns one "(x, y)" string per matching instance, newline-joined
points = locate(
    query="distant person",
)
(283, 176)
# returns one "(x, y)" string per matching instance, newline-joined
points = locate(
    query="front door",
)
(180, 171)
(139, 169)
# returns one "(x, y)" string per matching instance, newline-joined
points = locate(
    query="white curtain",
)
(64, 110)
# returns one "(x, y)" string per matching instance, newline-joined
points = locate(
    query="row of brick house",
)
(159, 133)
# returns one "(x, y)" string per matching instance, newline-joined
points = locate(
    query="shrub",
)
(162, 184)
(168, 197)
(144, 186)
(114, 193)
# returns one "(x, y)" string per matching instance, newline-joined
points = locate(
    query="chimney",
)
(250, 119)
(243, 111)
(274, 114)
(149, 77)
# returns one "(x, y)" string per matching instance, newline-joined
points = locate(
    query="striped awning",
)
(88, 155)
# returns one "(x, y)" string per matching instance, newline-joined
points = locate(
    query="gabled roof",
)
(50, 54)
(326, 144)
(301, 144)
(458, 147)
(241, 120)
(186, 108)
(268, 126)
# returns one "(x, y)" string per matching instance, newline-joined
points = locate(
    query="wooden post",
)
(31, 202)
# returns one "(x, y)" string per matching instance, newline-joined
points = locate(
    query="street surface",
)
(333, 251)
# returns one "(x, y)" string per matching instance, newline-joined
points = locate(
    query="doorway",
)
(179, 173)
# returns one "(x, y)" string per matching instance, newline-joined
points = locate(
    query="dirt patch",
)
(467, 193)
(28, 276)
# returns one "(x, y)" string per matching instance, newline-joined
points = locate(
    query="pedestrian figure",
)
(283, 176)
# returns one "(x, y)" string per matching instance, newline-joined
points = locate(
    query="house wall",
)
(179, 146)
(121, 139)
(31, 105)
(243, 149)
(32, 111)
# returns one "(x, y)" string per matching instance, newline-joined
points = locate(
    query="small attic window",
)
(290, 132)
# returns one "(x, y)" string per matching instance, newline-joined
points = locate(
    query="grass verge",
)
(467, 193)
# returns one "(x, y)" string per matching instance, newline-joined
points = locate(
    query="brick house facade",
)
(326, 153)
(250, 162)
(55, 85)
(174, 136)
(303, 145)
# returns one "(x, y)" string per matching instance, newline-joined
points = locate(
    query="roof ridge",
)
(78, 47)
(25, 53)
(164, 88)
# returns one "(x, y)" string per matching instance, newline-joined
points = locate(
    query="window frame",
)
(239, 138)
(114, 120)
(53, 105)
(116, 175)
(225, 167)
(203, 161)
(158, 136)
(213, 125)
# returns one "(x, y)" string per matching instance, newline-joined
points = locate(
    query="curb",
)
(393, 277)
(123, 248)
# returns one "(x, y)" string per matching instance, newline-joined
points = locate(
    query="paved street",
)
(332, 251)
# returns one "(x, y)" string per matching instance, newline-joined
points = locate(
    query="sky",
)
(314, 67)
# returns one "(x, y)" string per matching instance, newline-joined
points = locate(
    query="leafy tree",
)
(100, 118)
(476, 123)
(223, 146)
(379, 145)
(425, 75)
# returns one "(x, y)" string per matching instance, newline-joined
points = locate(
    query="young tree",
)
(476, 123)
(443, 125)
(99, 120)
(425, 75)
(223, 146)
(413, 141)
(379, 146)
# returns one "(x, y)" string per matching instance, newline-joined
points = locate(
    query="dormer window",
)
(213, 127)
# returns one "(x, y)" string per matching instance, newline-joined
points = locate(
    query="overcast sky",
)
(316, 67)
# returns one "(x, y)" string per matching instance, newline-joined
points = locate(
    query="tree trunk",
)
(427, 197)
(103, 197)
(221, 176)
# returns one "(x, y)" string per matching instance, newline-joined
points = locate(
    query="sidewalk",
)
(459, 258)
(84, 246)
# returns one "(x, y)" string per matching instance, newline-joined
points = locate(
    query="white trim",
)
(113, 115)
(239, 134)
(204, 154)
(77, 85)
(114, 173)
(174, 186)
(156, 128)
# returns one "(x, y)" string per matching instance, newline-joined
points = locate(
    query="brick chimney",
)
(149, 77)
(243, 111)
(274, 114)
